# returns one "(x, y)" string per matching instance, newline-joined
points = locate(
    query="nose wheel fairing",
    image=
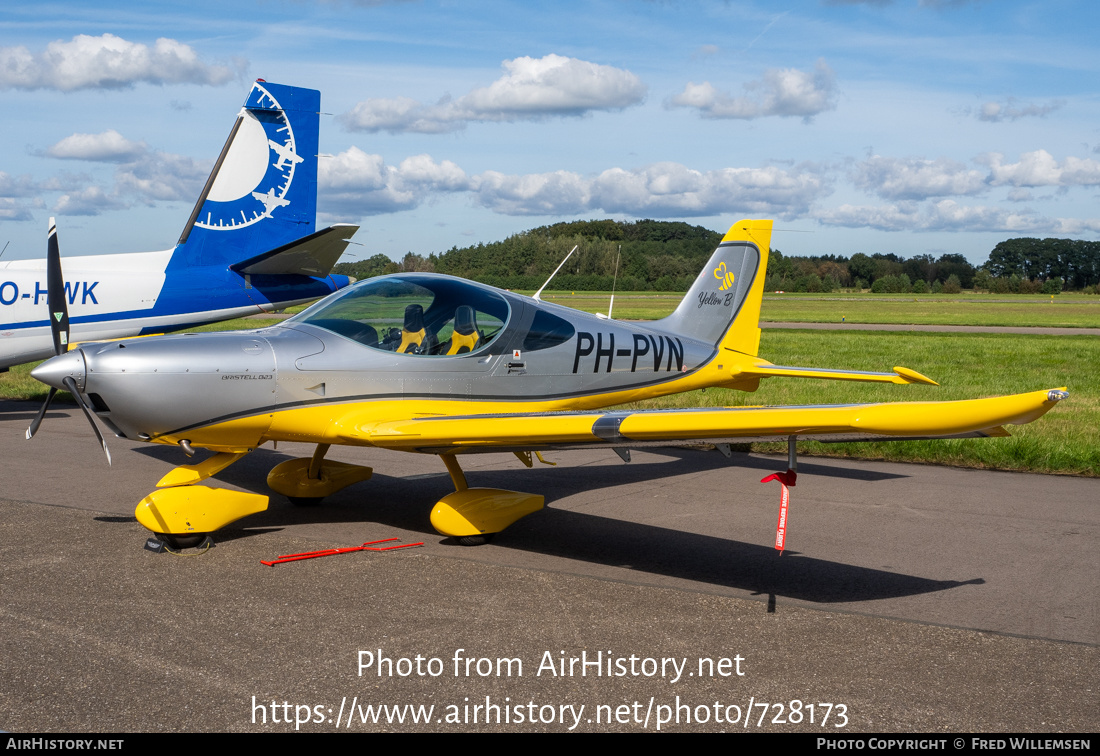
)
(180, 507)
(188, 510)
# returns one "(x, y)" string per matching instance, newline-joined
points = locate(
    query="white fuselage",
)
(109, 297)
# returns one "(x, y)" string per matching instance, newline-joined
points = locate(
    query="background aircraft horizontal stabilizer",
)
(314, 255)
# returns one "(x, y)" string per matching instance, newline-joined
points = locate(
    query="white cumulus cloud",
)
(662, 190)
(17, 210)
(913, 178)
(89, 201)
(531, 88)
(555, 85)
(556, 193)
(673, 190)
(107, 62)
(108, 146)
(1039, 168)
(944, 215)
(422, 171)
(357, 182)
(781, 92)
(162, 176)
(17, 186)
(141, 176)
(1074, 226)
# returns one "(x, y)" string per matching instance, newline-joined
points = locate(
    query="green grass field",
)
(1064, 311)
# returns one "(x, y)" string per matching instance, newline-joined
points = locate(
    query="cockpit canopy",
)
(413, 314)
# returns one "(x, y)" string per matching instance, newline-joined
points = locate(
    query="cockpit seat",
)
(466, 336)
(415, 339)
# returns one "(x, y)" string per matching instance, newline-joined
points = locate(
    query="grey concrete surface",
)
(922, 598)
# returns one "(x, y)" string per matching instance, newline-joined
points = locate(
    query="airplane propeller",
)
(59, 327)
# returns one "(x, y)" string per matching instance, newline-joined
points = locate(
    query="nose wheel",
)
(178, 542)
(475, 540)
(162, 542)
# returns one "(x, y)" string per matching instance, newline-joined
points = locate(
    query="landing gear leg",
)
(459, 479)
(312, 473)
(307, 482)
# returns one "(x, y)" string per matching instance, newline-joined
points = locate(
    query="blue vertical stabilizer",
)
(262, 192)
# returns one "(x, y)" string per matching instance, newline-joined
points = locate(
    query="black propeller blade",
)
(55, 296)
(41, 414)
(59, 327)
(58, 311)
(70, 384)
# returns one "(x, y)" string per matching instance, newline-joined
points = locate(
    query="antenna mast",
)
(536, 297)
(614, 282)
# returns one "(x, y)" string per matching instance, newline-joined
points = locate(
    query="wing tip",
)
(912, 376)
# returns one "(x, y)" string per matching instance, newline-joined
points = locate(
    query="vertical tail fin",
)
(722, 307)
(262, 192)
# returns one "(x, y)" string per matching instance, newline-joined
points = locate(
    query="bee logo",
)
(725, 277)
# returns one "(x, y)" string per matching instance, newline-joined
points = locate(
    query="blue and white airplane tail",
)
(262, 192)
(250, 245)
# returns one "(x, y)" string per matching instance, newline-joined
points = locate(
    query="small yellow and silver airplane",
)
(439, 365)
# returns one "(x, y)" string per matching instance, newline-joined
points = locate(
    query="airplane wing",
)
(313, 255)
(893, 421)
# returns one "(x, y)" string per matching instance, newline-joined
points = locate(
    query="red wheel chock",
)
(368, 546)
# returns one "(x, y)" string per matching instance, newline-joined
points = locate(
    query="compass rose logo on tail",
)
(257, 169)
(262, 192)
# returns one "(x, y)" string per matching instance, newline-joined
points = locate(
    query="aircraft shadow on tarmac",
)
(16, 411)
(406, 503)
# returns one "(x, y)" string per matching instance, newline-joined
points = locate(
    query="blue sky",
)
(906, 126)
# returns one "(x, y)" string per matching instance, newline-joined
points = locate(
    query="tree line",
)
(655, 255)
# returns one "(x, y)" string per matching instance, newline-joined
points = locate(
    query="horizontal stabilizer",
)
(900, 374)
(313, 255)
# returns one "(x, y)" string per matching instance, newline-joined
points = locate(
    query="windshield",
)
(413, 314)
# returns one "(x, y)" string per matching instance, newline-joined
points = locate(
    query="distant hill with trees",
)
(656, 255)
(667, 255)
